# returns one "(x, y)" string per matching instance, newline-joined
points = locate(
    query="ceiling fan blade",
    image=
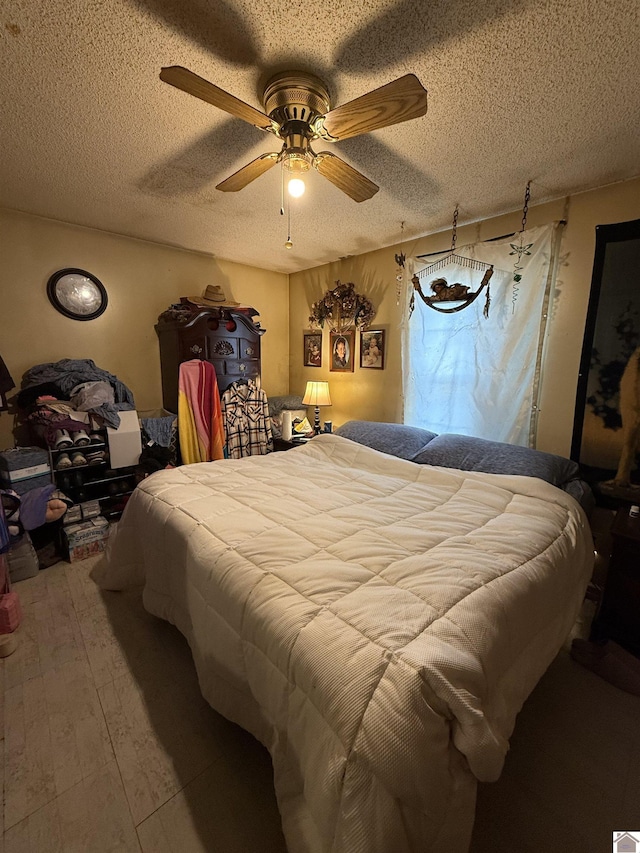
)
(400, 100)
(248, 173)
(345, 177)
(189, 82)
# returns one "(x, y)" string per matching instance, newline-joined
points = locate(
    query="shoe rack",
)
(96, 481)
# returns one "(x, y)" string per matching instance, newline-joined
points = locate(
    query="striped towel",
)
(200, 427)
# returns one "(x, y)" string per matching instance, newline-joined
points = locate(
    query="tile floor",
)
(108, 745)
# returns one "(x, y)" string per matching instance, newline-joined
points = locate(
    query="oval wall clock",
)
(77, 294)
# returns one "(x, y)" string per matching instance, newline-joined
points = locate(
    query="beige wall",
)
(141, 279)
(375, 395)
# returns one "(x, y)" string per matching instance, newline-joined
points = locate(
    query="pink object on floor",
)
(10, 610)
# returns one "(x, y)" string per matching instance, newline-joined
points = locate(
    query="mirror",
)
(77, 294)
(606, 432)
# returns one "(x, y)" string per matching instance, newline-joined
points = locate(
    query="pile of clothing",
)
(53, 393)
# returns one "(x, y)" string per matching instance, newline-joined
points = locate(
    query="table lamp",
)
(316, 394)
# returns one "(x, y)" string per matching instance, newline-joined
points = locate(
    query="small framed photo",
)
(372, 344)
(342, 351)
(312, 349)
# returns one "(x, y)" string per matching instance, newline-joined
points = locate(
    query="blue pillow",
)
(496, 457)
(395, 439)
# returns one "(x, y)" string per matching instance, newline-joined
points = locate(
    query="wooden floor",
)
(108, 745)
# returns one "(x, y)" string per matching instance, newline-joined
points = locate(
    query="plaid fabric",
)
(245, 415)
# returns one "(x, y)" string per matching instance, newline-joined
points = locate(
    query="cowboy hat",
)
(213, 295)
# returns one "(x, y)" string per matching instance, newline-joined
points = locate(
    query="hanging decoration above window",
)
(520, 249)
(401, 267)
(454, 296)
(342, 309)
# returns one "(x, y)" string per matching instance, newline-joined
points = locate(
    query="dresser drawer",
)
(226, 347)
(249, 350)
(243, 368)
(193, 346)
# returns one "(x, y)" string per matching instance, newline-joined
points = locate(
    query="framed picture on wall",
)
(312, 349)
(372, 346)
(342, 351)
(606, 441)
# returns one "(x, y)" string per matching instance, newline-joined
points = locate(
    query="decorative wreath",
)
(342, 309)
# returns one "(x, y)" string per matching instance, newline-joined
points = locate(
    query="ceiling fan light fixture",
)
(296, 187)
(296, 160)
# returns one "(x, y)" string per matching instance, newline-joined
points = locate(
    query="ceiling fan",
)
(298, 111)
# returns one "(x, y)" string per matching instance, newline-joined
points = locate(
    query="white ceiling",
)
(541, 90)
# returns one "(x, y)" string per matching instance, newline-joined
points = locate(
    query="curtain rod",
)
(490, 240)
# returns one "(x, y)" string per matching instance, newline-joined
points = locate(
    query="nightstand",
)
(618, 618)
(282, 444)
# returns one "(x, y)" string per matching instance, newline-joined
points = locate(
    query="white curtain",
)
(464, 373)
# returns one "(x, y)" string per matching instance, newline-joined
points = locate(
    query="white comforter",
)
(375, 623)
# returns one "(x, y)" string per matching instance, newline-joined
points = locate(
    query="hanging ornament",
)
(457, 296)
(520, 250)
(400, 269)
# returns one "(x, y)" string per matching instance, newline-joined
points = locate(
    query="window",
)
(467, 374)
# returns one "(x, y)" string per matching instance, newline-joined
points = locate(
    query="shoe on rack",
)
(63, 461)
(80, 439)
(96, 438)
(62, 439)
(96, 457)
(78, 459)
(64, 482)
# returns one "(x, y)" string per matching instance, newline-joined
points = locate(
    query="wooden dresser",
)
(227, 337)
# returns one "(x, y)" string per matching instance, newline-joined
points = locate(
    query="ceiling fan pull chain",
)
(282, 192)
(288, 244)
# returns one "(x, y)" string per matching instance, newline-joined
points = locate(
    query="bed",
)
(377, 624)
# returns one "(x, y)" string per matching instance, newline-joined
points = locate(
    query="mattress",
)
(376, 624)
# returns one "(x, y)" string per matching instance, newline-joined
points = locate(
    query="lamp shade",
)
(316, 394)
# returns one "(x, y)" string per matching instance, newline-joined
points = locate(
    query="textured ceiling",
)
(541, 90)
